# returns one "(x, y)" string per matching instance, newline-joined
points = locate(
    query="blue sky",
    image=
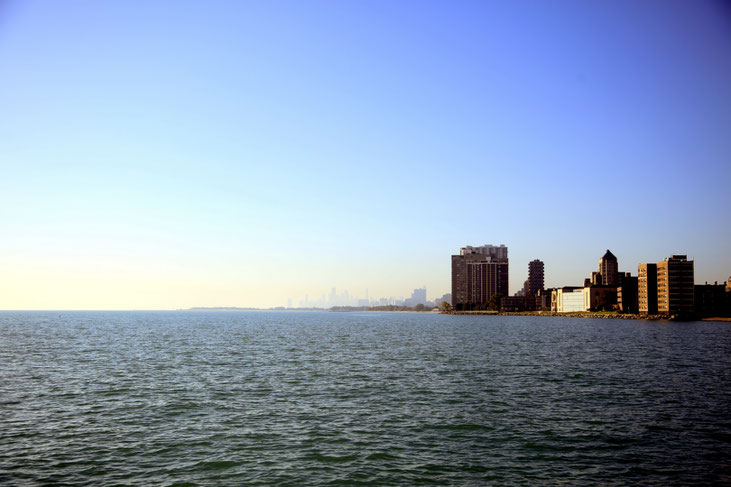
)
(175, 154)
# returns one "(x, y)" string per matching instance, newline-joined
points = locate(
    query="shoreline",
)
(584, 314)
(576, 314)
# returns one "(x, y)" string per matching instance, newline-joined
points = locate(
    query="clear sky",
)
(174, 154)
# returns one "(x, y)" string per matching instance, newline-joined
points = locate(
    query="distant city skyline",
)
(346, 298)
(166, 155)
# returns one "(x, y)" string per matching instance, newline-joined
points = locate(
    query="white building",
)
(568, 299)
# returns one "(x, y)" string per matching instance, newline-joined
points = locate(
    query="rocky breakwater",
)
(587, 314)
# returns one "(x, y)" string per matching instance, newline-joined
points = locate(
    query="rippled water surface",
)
(266, 398)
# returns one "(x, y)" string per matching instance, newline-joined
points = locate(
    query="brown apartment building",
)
(675, 281)
(647, 288)
(627, 293)
(478, 273)
(666, 288)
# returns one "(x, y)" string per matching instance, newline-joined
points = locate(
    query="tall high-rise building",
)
(609, 269)
(417, 297)
(497, 252)
(478, 273)
(535, 277)
(675, 281)
(666, 287)
(627, 293)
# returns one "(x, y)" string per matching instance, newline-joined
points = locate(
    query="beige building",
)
(647, 288)
(568, 300)
(588, 298)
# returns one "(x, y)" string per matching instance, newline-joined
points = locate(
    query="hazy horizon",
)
(170, 155)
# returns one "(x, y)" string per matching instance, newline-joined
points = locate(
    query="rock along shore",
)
(617, 316)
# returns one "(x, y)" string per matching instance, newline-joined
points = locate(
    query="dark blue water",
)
(195, 398)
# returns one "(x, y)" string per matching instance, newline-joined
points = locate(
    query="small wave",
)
(331, 458)
(217, 465)
(465, 427)
(380, 456)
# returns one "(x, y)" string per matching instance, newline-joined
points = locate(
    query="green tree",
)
(445, 307)
(494, 303)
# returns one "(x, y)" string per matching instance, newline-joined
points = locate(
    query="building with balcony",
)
(675, 280)
(535, 278)
(666, 288)
(478, 273)
(647, 289)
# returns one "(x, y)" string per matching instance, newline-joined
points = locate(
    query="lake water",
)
(280, 398)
